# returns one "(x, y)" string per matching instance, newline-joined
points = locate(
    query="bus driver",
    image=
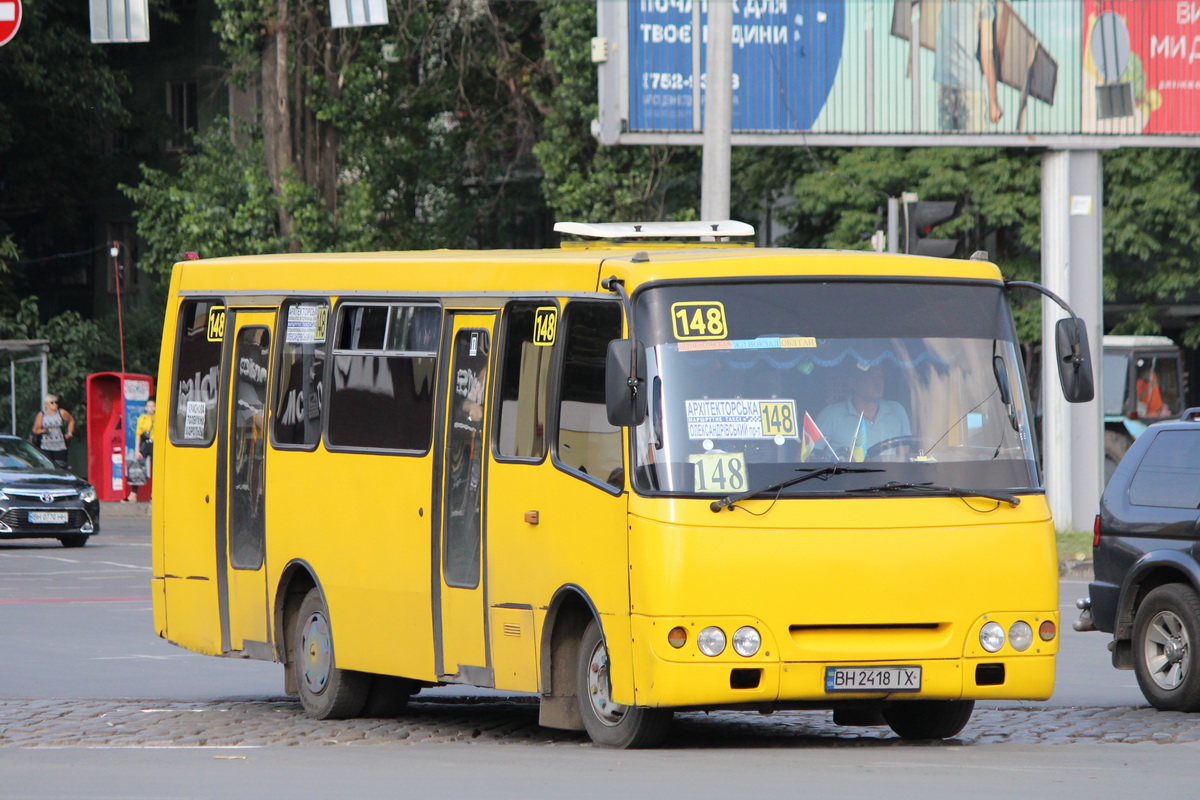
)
(883, 419)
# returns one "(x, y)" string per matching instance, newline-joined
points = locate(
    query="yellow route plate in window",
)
(545, 322)
(778, 417)
(699, 320)
(720, 473)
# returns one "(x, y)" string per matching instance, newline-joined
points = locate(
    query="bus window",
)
(297, 418)
(382, 398)
(528, 347)
(247, 525)
(586, 442)
(194, 387)
(464, 458)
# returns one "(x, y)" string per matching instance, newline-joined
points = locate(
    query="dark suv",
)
(1146, 592)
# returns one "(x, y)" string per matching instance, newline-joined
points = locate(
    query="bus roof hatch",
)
(711, 230)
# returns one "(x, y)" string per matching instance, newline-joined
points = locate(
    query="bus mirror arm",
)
(1071, 348)
(624, 399)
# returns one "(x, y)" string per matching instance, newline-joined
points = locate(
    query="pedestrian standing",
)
(54, 427)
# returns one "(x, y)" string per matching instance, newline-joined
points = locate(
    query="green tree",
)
(587, 181)
(415, 134)
(1151, 233)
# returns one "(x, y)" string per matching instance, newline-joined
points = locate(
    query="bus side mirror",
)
(625, 388)
(1074, 360)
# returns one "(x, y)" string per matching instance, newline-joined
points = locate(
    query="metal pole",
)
(12, 395)
(45, 382)
(115, 251)
(914, 64)
(893, 235)
(718, 113)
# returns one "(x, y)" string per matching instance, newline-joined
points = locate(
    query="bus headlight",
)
(711, 641)
(1020, 636)
(991, 637)
(746, 641)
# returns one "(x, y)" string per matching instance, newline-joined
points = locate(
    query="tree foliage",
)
(584, 180)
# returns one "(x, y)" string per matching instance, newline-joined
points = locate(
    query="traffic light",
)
(920, 218)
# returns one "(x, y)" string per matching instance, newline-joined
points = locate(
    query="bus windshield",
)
(751, 384)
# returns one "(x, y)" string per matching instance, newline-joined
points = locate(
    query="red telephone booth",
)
(115, 400)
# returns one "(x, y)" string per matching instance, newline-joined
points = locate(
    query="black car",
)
(40, 501)
(1146, 591)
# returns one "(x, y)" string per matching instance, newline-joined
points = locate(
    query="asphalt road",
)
(93, 705)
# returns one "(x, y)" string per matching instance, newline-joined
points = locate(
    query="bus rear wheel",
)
(611, 724)
(928, 719)
(326, 691)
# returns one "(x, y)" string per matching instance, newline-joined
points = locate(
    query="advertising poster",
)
(982, 66)
(1141, 67)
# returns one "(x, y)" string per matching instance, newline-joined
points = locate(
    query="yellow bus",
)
(651, 470)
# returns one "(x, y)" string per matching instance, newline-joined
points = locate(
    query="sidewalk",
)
(117, 510)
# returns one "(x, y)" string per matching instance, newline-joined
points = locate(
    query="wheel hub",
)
(316, 647)
(600, 688)
(1167, 650)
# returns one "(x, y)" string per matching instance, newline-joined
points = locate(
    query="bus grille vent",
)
(511, 629)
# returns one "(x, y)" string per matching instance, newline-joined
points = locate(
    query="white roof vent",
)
(709, 230)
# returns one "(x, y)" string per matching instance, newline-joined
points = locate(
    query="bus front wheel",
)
(326, 691)
(928, 719)
(611, 724)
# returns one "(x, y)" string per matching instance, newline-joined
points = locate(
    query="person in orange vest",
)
(1149, 397)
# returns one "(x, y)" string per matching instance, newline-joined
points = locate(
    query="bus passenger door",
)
(241, 523)
(460, 583)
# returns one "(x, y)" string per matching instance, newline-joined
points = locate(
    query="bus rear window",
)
(196, 383)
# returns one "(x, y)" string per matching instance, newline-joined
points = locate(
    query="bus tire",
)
(928, 719)
(1166, 633)
(610, 724)
(388, 697)
(326, 691)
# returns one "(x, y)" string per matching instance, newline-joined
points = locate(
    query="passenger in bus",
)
(883, 419)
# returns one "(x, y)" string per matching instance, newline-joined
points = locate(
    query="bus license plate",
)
(51, 517)
(872, 679)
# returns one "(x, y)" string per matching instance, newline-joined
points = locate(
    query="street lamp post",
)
(115, 251)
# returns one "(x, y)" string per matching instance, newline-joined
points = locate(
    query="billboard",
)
(1033, 72)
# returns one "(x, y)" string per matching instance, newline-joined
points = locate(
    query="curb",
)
(118, 510)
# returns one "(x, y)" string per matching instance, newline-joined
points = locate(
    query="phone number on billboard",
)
(677, 80)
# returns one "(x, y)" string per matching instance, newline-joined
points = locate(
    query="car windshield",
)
(753, 384)
(18, 455)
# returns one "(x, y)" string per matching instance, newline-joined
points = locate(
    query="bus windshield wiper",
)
(896, 486)
(822, 473)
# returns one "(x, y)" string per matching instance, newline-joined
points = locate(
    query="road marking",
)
(25, 600)
(119, 564)
(140, 655)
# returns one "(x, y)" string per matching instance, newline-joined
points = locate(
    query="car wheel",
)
(74, 540)
(326, 692)
(928, 719)
(1165, 629)
(611, 724)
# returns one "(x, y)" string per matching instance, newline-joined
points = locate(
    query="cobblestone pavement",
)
(280, 721)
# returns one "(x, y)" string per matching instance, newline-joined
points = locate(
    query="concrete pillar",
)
(1072, 268)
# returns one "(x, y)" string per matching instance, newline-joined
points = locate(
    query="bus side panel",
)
(580, 539)
(362, 523)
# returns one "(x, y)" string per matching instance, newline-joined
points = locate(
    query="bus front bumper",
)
(725, 683)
